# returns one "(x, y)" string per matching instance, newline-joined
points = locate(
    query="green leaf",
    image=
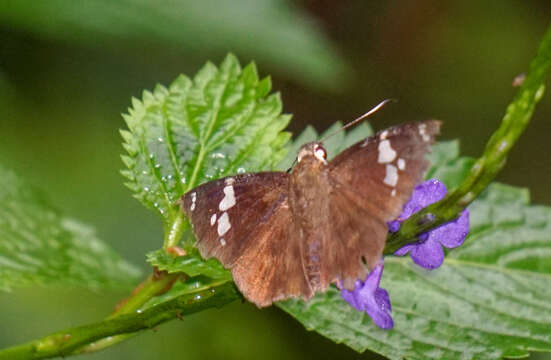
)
(284, 36)
(191, 264)
(220, 122)
(188, 286)
(446, 165)
(490, 299)
(39, 246)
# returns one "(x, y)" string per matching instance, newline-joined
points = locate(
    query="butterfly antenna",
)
(367, 114)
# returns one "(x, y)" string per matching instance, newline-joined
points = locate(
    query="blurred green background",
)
(68, 70)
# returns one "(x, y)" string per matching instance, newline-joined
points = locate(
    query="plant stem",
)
(65, 342)
(155, 284)
(484, 170)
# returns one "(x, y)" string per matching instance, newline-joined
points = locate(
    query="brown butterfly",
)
(292, 234)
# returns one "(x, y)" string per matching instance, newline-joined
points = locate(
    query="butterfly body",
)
(293, 234)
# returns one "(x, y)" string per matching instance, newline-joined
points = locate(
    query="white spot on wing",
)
(320, 155)
(386, 152)
(393, 192)
(212, 219)
(223, 224)
(391, 176)
(193, 200)
(423, 132)
(229, 198)
(401, 164)
(222, 242)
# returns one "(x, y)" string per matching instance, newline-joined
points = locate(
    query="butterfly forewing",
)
(244, 221)
(225, 212)
(371, 181)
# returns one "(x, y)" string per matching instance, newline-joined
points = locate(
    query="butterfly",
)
(292, 234)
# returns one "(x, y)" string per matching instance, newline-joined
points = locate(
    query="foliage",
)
(38, 245)
(222, 122)
(190, 264)
(272, 31)
(487, 301)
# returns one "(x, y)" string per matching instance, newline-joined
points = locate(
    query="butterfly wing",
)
(370, 182)
(244, 221)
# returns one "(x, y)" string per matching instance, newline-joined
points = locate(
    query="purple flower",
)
(428, 252)
(369, 297)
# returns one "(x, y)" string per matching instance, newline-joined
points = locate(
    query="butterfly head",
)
(313, 151)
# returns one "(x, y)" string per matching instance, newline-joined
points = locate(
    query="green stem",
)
(155, 284)
(175, 231)
(493, 159)
(65, 342)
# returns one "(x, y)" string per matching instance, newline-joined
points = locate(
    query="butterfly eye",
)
(320, 153)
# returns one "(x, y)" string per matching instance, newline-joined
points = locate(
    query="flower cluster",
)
(427, 252)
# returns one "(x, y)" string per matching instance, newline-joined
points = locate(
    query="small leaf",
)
(39, 246)
(220, 123)
(191, 264)
(446, 165)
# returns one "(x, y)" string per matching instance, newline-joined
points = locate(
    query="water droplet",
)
(169, 177)
(145, 172)
(157, 166)
(183, 180)
(163, 178)
(156, 205)
(197, 297)
(139, 311)
(241, 170)
(146, 189)
(151, 156)
(160, 139)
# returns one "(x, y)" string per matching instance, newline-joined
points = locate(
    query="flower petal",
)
(428, 254)
(350, 297)
(368, 297)
(423, 195)
(380, 317)
(394, 226)
(405, 249)
(452, 234)
(382, 299)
